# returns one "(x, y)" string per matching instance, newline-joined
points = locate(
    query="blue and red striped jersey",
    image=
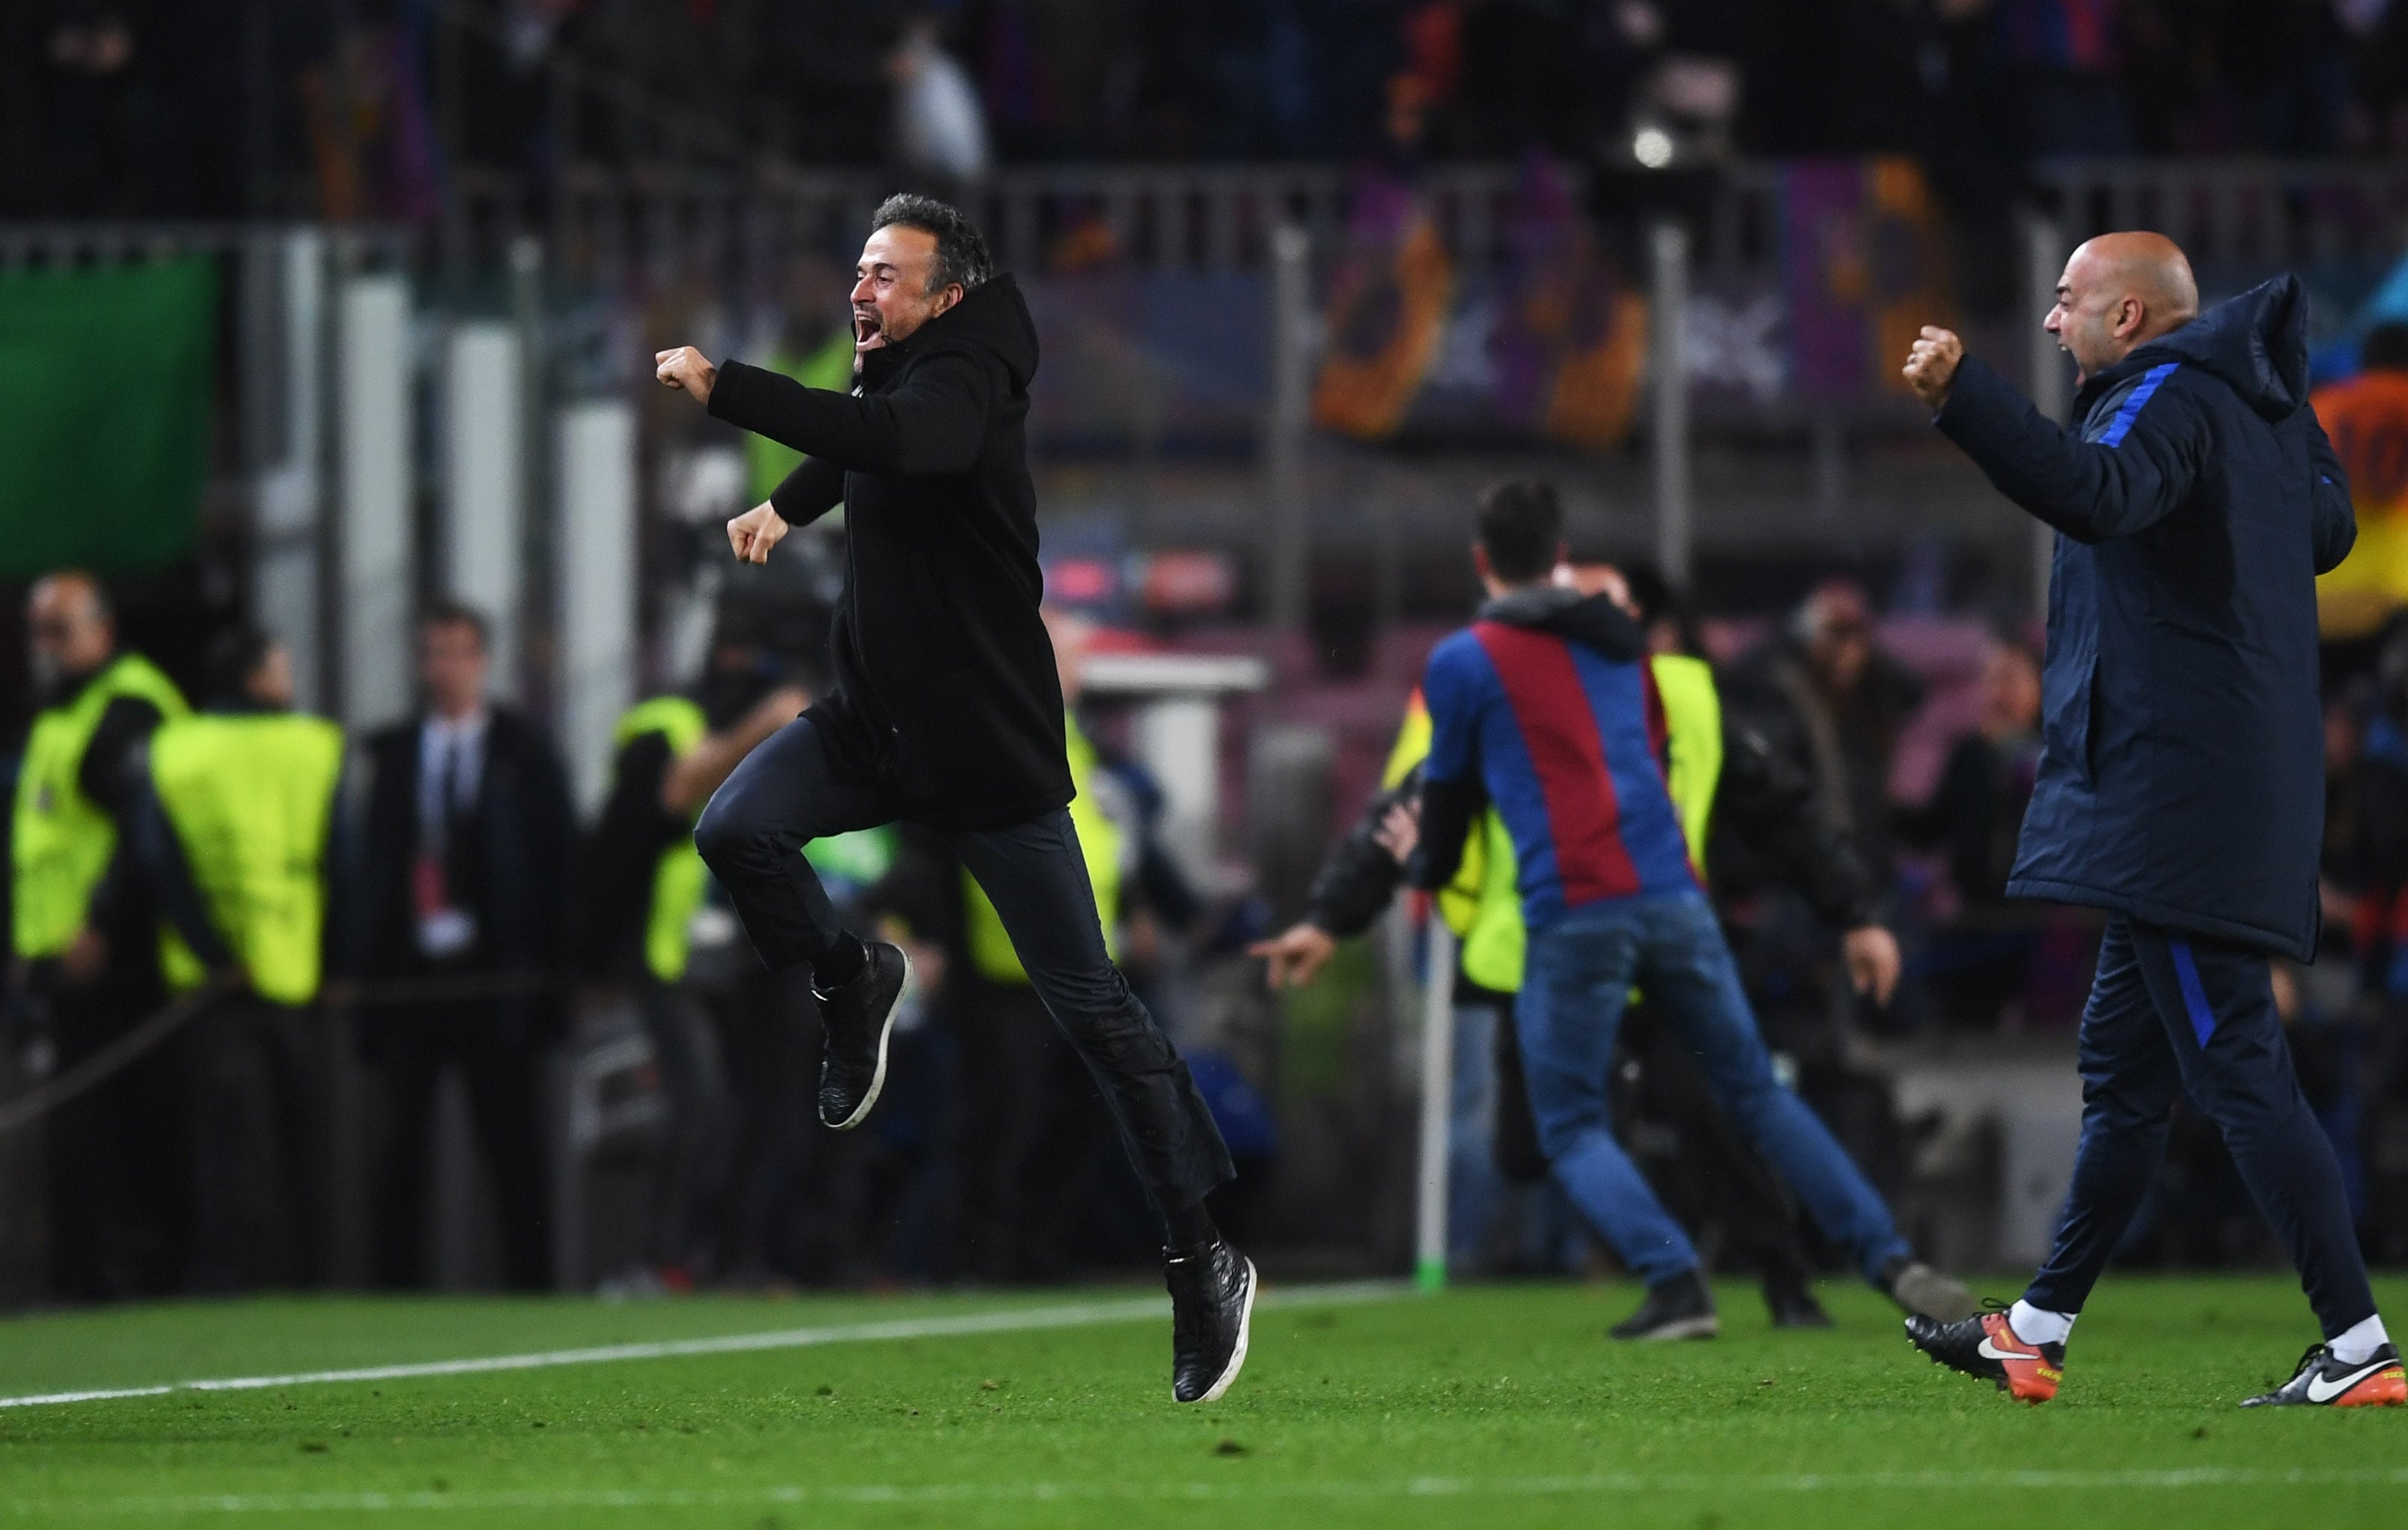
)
(1567, 743)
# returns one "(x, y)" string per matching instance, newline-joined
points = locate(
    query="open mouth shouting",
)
(868, 333)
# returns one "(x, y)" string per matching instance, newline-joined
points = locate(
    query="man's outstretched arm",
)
(2091, 490)
(933, 422)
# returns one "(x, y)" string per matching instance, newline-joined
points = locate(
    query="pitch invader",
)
(2181, 782)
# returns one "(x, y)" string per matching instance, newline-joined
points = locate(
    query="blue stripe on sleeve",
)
(2202, 1019)
(2121, 425)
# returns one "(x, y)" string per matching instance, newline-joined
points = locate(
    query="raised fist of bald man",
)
(1931, 365)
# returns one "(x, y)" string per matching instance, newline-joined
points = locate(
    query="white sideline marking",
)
(1411, 1487)
(1022, 1320)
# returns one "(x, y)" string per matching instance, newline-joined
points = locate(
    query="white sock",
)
(2358, 1345)
(2038, 1325)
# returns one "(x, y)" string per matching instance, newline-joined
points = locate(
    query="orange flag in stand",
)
(1385, 324)
(2367, 418)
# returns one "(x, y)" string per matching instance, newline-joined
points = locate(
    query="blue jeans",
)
(1474, 1186)
(1581, 970)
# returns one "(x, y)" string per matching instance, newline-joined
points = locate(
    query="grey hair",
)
(962, 255)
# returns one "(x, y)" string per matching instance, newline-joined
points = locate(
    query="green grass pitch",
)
(1487, 1406)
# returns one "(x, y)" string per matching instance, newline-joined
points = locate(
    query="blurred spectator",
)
(642, 888)
(84, 933)
(1977, 810)
(939, 126)
(1829, 700)
(1974, 817)
(237, 830)
(465, 850)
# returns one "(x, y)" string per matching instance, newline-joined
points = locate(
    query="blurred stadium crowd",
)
(532, 1046)
(215, 107)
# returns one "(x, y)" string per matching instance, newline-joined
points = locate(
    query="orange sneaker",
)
(1985, 1345)
(2323, 1381)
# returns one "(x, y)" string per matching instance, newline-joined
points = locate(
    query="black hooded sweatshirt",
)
(946, 694)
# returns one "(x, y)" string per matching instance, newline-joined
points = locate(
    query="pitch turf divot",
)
(1023, 1320)
(1408, 1487)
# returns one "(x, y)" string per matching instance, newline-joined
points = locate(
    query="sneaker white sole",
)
(1708, 1326)
(1245, 1330)
(878, 1079)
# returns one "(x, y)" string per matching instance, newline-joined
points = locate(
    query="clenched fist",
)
(1931, 366)
(685, 368)
(755, 532)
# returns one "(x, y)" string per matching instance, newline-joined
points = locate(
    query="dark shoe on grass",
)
(1680, 1308)
(1211, 1310)
(1986, 1346)
(1791, 1304)
(857, 1016)
(1927, 1293)
(2323, 1381)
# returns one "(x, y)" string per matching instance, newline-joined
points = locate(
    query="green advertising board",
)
(106, 379)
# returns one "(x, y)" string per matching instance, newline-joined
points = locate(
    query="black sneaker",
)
(1212, 1309)
(857, 1016)
(1988, 1346)
(1791, 1304)
(1918, 1288)
(1680, 1308)
(2322, 1382)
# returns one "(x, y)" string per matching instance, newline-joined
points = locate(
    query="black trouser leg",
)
(297, 1091)
(1002, 1106)
(1729, 1178)
(502, 1071)
(1037, 879)
(90, 1152)
(786, 794)
(217, 1048)
(689, 1173)
(408, 1061)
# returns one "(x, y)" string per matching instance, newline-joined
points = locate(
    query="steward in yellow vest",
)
(249, 797)
(78, 785)
(237, 839)
(83, 936)
(643, 883)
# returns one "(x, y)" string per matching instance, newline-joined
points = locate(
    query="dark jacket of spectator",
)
(518, 842)
(2181, 767)
(945, 693)
(1975, 814)
(1840, 743)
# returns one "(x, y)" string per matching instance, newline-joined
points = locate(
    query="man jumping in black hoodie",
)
(947, 710)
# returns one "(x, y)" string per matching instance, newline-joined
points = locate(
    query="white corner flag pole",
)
(1438, 1088)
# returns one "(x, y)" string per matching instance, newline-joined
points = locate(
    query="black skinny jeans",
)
(791, 790)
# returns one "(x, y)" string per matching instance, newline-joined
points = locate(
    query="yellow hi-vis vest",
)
(678, 881)
(1483, 905)
(251, 797)
(1099, 845)
(63, 841)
